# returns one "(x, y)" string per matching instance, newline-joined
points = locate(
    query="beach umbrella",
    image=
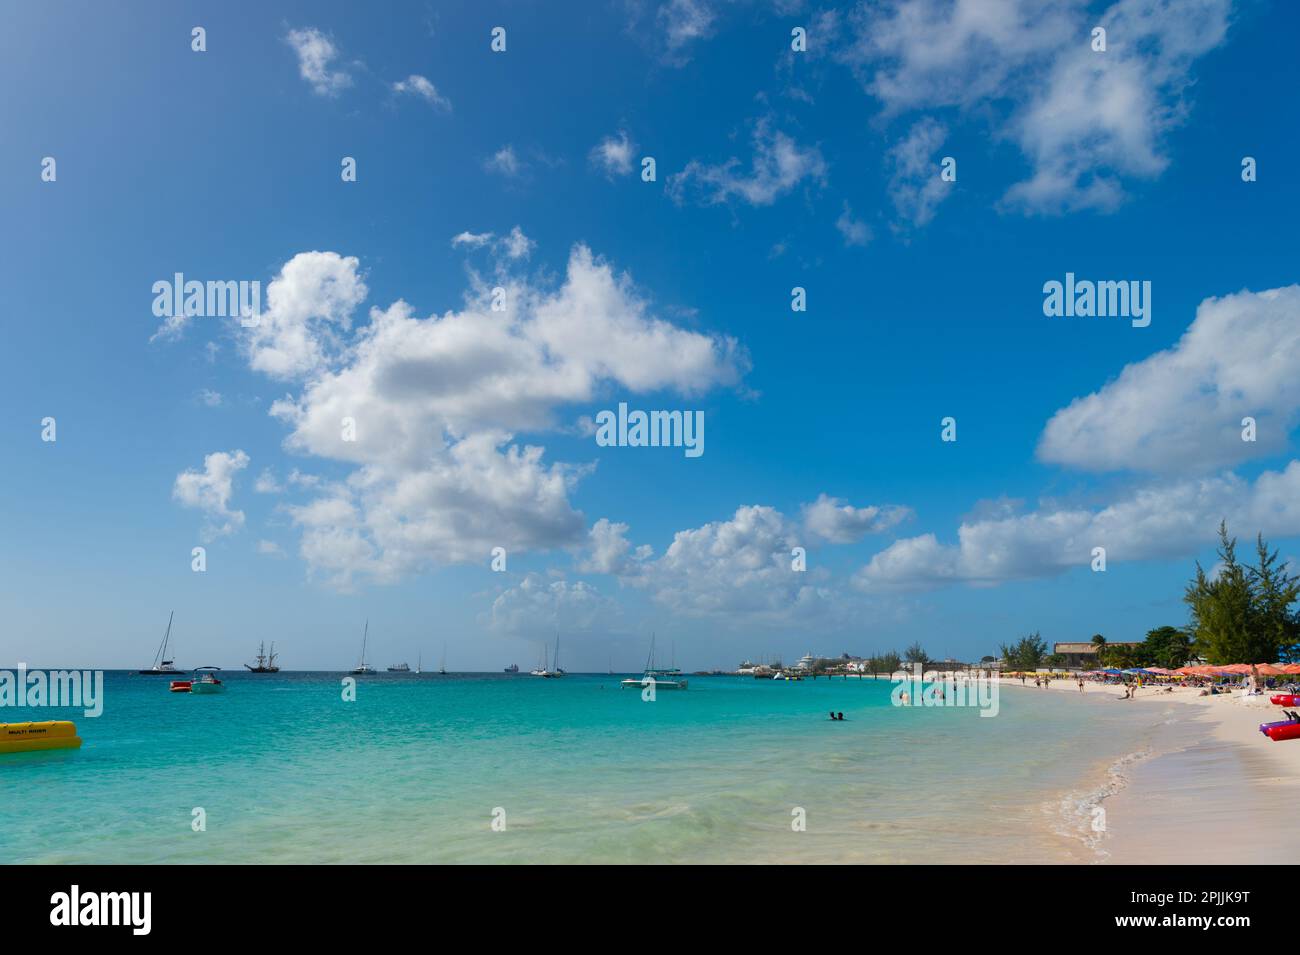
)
(1268, 669)
(1291, 668)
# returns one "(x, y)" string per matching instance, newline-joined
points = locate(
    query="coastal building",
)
(1083, 656)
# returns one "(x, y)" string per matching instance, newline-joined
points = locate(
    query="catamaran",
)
(161, 665)
(540, 669)
(265, 661)
(556, 670)
(662, 678)
(363, 669)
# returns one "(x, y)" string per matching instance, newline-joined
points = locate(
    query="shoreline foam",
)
(1212, 790)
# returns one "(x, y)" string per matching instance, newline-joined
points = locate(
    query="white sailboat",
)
(442, 667)
(540, 669)
(363, 669)
(556, 670)
(161, 665)
(662, 678)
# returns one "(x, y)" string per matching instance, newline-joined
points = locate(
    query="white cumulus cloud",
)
(778, 165)
(420, 86)
(1159, 521)
(434, 404)
(209, 490)
(1181, 409)
(316, 55)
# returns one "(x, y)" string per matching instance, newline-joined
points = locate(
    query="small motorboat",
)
(207, 681)
(181, 686)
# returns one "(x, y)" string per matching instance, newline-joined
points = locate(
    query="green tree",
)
(889, 662)
(1275, 590)
(1168, 647)
(916, 654)
(1099, 642)
(1027, 654)
(1243, 614)
(1120, 658)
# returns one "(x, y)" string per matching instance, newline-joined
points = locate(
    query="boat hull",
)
(206, 688)
(658, 684)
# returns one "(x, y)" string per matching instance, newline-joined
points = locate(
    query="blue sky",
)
(521, 169)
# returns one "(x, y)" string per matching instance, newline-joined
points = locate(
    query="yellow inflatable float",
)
(29, 737)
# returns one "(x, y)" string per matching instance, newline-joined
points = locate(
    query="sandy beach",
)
(1211, 789)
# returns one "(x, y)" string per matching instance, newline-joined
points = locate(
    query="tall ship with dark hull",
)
(265, 661)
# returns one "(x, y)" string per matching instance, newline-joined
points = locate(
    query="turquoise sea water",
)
(287, 771)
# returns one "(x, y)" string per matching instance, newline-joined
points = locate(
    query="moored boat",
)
(555, 671)
(207, 681)
(661, 678)
(363, 668)
(265, 661)
(161, 665)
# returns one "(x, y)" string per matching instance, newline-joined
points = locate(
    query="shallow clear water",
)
(412, 771)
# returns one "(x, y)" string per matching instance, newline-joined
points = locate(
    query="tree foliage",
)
(1027, 654)
(1243, 614)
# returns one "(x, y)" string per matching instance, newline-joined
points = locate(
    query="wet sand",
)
(1213, 789)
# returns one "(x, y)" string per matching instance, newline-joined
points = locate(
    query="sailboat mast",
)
(162, 651)
(364, 636)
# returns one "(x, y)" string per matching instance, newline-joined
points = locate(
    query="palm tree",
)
(1099, 642)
